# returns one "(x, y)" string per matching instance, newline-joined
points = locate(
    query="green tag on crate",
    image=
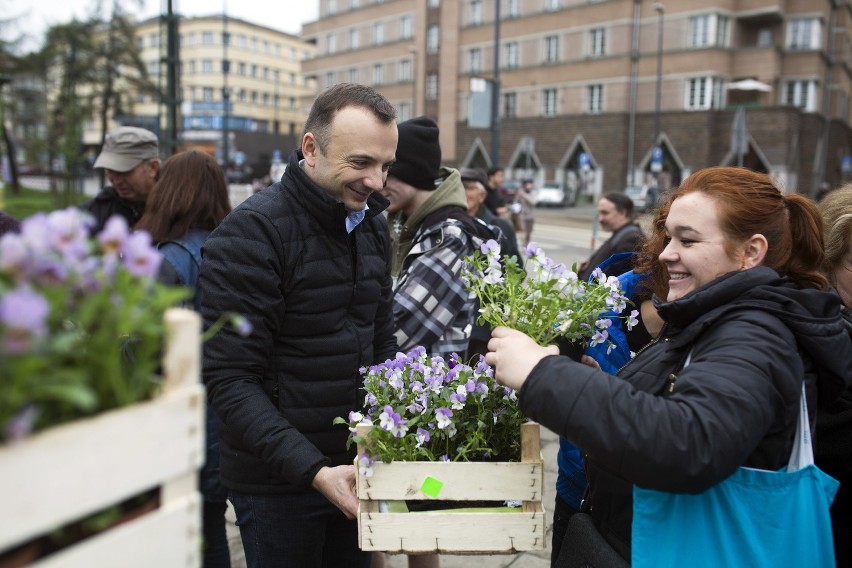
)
(431, 486)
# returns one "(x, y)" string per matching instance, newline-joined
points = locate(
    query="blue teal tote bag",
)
(754, 518)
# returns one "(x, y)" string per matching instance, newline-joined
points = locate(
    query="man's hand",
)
(337, 484)
(513, 355)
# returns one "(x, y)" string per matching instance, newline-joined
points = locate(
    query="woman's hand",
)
(513, 355)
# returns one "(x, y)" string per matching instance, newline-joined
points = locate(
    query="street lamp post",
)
(660, 10)
(413, 50)
(226, 92)
(495, 91)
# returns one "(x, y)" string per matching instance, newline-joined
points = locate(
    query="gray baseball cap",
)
(126, 147)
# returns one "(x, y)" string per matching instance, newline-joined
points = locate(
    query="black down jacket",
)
(753, 336)
(319, 300)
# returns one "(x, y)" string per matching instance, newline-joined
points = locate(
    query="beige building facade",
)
(264, 87)
(589, 88)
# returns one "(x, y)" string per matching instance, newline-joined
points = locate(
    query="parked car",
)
(644, 197)
(554, 194)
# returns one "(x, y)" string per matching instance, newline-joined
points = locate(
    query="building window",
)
(510, 55)
(510, 105)
(548, 106)
(207, 93)
(597, 42)
(191, 39)
(266, 99)
(241, 69)
(330, 43)
(291, 103)
(378, 74)
(353, 75)
(329, 79)
(405, 70)
(433, 39)
(242, 95)
(475, 12)
(552, 5)
(192, 67)
(708, 30)
(551, 49)
(207, 66)
(434, 3)
(594, 94)
(254, 70)
(378, 33)
(405, 27)
(332, 6)
(474, 60)
(404, 111)
(431, 86)
(803, 33)
(801, 94)
(155, 40)
(353, 39)
(242, 41)
(703, 93)
(513, 8)
(140, 42)
(206, 38)
(254, 97)
(355, 3)
(764, 38)
(266, 73)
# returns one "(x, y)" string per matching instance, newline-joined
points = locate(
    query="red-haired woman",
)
(735, 267)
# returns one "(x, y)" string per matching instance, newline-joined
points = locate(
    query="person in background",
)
(130, 156)
(8, 224)
(474, 181)
(431, 232)
(307, 262)
(609, 357)
(739, 264)
(833, 438)
(615, 214)
(494, 199)
(525, 199)
(184, 206)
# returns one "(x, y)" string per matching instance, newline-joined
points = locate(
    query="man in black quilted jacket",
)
(307, 261)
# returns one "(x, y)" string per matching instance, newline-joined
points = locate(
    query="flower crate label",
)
(431, 487)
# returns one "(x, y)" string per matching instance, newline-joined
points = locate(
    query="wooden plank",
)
(462, 481)
(73, 470)
(455, 533)
(168, 537)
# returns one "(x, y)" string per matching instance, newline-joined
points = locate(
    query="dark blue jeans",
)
(216, 553)
(300, 531)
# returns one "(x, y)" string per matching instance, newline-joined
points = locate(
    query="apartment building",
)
(261, 86)
(600, 93)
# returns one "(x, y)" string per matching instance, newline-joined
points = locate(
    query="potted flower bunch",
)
(86, 422)
(424, 415)
(81, 320)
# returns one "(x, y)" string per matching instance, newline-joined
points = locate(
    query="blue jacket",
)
(571, 479)
(184, 255)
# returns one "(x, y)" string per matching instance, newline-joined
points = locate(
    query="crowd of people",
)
(744, 296)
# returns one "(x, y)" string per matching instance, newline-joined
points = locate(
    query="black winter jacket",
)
(320, 303)
(106, 204)
(754, 335)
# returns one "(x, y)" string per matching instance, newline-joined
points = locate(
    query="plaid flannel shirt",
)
(431, 307)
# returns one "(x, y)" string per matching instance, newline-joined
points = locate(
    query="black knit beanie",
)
(418, 153)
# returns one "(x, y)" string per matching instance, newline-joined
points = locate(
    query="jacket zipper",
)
(646, 346)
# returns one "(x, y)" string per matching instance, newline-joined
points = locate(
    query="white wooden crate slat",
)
(470, 481)
(165, 538)
(439, 532)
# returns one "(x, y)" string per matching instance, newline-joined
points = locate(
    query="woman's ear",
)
(754, 251)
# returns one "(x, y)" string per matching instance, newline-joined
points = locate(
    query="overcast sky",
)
(35, 16)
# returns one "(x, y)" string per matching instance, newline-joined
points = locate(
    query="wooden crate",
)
(71, 471)
(483, 531)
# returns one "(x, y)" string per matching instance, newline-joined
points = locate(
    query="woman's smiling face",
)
(695, 253)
